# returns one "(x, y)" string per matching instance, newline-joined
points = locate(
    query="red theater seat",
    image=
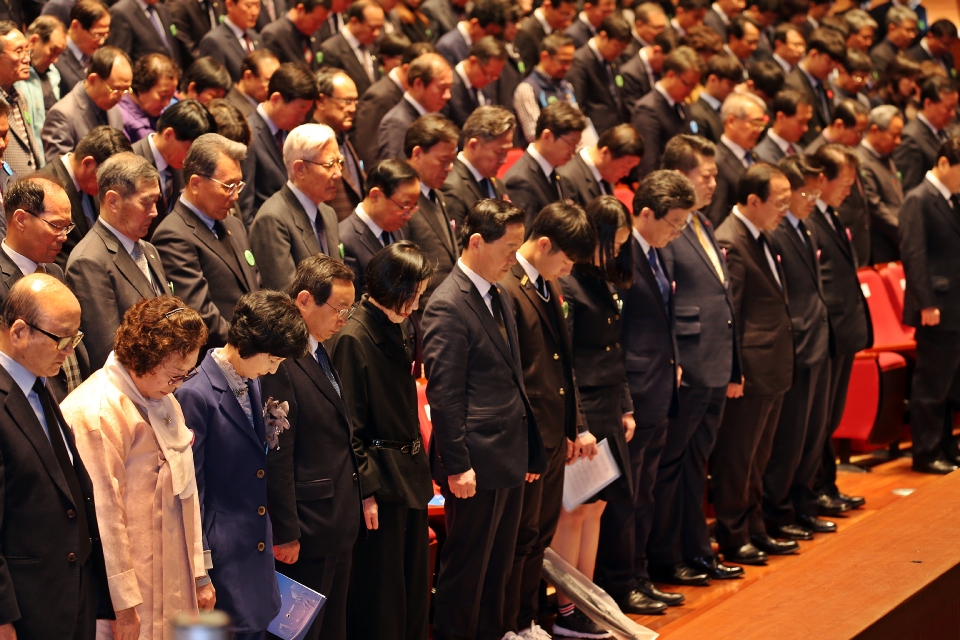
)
(889, 334)
(873, 415)
(896, 283)
(512, 156)
(624, 195)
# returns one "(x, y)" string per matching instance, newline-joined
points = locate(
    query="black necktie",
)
(750, 158)
(555, 179)
(487, 187)
(437, 199)
(662, 283)
(386, 238)
(168, 188)
(497, 309)
(324, 360)
(802, 228)
(541, 286)
(321, 233)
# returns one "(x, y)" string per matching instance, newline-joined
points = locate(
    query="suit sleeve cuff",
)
(124, 590)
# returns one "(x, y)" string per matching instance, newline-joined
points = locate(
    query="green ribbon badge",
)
(953, 73)
(900, 176)
(619, 81)
(222, 18)
(922, 25)
(319, 57)
(342, 252)
(249, 256)
(551, 99)
(170, 283)
(173, 30)
(566, 308)
(522, 68)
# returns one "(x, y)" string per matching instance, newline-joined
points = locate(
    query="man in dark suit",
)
(193, 20)
(393, 191)
(291, 95)
(900, 30)
(77, 172)
(431, 145)
(679, 550)
(141, 31)
(313, 535)
(789, 45)
(23, 153)
(880, 15)
(826, 51)
(928, 232)
(485, 441)
(336, 108)
(204, 250)
(270, 12)
(743, 122)
(662, 113)
(650, 21)
(936, 46)
(293, 37)
(234, 38)
(252, 88)
(765, 338)
(533, 181)
(791, 119)
(54, 582)
(484, 18)
(790, 506)
(922, 136)
(483, 64)
(881, 182)
(446, 13)
(179, 125)
(720, 14)
(90, 104)
(661, 207)
(561, 235)
(595, 170)
(351, 49)
(594, 75)
(588, 21)
(486, 137)
(112, 267)
(848, 310)
(88, 26)
(552, 16)
(429, 79)
(723, 74)
(294, 223)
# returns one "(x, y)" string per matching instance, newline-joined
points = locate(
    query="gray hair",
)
(899, 14)
(305, 141)
(858, 19)
(204, 155)
(647, 10)
(487, 123)
(126, 174)
(883, 115)
(736, 105)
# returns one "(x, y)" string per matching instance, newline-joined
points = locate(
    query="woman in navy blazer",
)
(224, 407)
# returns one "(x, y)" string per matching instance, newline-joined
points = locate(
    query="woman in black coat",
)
(592, 308)
(389, 581)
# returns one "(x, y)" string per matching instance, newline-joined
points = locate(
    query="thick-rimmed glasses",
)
(343, 314)
(62, 342)
(329, 164)
(59, 230)
(232, 189)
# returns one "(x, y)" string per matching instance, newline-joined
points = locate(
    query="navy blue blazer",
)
(233, 495)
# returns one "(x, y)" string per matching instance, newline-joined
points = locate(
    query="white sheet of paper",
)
(584, 478)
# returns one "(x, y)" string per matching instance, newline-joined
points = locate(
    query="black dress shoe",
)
(713, 568)
(747, 554)
(855, 502)
(774, 547)
(817, 525)
(791, 532)
(679, 574)
(941, 467)
(640, 605)
(830, 506)
(647, 588)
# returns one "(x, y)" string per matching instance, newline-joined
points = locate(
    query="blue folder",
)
(299, 606)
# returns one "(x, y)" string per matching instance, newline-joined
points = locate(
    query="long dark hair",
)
(394, 275)
(608, 216)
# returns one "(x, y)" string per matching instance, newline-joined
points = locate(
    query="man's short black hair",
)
(490, 218)
(756, 181)
(189, 120)
(316, 274)
(293, 81)
(663, 191)
(568, 228)
(428, 131)
(389, 175)
(102, 142)
(206, 73)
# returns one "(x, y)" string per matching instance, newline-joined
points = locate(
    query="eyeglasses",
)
(62, 342)
(677, 227)
(408, 208)
(811, 196)
(347, 102)
(20, 52)
(114, 92)
(330, 164)
(572, 144)
(64, 231)
(100, 35)
(782, 208)
(343, 314)
(756, 123)
(183, 378)
(232, 189)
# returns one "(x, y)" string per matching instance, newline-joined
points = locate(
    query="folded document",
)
(298, 609)
(584, 478)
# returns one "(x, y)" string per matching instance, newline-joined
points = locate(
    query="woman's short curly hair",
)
(154, 329)
(268, 322)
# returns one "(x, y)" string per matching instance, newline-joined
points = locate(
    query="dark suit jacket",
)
(849, 313)
(284, 39)
(283, 236)
(578, 182)
(461, 103)
(204, 274)
(280, 10)
(920, 54)
(71, 71)
(769, 151)
(581, 33)
(142, 148)
(819, 121)
(855, 216)
(107, 282)
(882, 54)
(709, 123)
(657, 122)
(432, 229)
(884, 195)
(56, 169)
(443, 13)
(713, 20)
(589, 79)
(221, 45)
(729, 170)
(313, 492)
(929, 229)
(453, 47)
(359, 246)
(263, 168)
(916, 154)
(132, 31)
(228, 455)
(527, 41)
(374, 366)
(482, 418)
(529, 188)
(39, 588)
(192, 23)
(238, 100)
(337, 53)
(393, 129)
(808, 309)
(760, 311)
(636, 82)
(71, 119)
(461, 192)
(879, 13)
(374, 104)
(546, 356)
(501, 91)
(649, 343)
(704, 324)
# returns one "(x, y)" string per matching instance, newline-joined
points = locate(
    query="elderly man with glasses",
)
(204, 249)
(89, 104)
(23, 152)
